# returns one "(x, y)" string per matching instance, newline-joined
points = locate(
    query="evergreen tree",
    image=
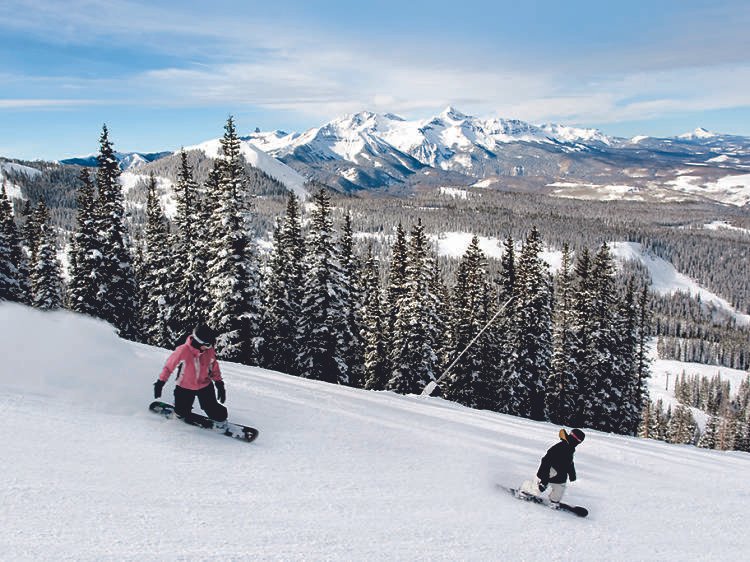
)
(283, 293)
(190, 306)
(626, 341)
(12, 282)
(414, 358)
(213, 231)
(85, 256)
(234, 271)
(396, 288)
(157, 294)
(46, 280)
(352, 304)
(375, 363)
(605, 383)
(505, 328)
(642, 369)
(117, 292)
(682, 426)
(582, 332)
(526, 387)
(742, 434)
(324, 343)
(708, 438)
(470, 380)
(562, 387)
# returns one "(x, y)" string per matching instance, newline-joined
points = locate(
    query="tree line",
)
(569, 348)
(727, 424)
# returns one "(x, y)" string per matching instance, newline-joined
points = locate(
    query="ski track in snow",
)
(336, 474)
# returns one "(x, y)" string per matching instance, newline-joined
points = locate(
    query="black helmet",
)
(578, 437)
(204, 335)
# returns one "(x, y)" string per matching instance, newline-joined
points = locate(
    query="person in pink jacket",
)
(198, 372)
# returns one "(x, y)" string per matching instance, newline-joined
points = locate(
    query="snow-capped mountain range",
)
(127, 160)
(385, 152)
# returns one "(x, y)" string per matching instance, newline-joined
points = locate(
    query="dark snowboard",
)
(575, 509)
(235, 430)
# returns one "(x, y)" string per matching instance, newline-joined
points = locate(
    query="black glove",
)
(221, 393)
(542, 486)
(158, 385)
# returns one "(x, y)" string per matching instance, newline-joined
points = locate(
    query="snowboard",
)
(241, 432)
(575, 509)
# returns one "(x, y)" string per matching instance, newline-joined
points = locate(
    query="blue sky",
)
(166, 74)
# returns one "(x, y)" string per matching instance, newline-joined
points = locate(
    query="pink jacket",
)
(196, 369)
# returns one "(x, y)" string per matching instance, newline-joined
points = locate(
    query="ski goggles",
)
(200, 342)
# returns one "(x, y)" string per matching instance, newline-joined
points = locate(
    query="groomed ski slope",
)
(336, 474)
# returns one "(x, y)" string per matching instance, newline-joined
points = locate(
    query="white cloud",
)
(248, 62)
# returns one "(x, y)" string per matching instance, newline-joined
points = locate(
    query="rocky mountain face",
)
(366, 151)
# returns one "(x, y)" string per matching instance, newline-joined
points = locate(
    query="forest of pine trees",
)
(570, 348)
(727, 424)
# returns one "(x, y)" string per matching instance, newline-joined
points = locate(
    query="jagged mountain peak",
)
(453, 114)
(698, 133)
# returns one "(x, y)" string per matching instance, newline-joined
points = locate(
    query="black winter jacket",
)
(559, 457)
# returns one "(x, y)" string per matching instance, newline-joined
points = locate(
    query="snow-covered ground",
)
(336, 474)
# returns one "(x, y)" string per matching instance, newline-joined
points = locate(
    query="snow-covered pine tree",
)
(642, 366)
(663, 420)
(396, 278)
(606, 378)
(443, 316)
(156, 285)
(504, 331)
(646, 429)
(117, 296)
(213, 228)
(742, 434)
(283, 293)
(234, 269)
(681, 427)
(12, 282)
(582, 330)
(709, 437)
(396, 287)
(470, 381)
(46, 280)
(323, 351)
(626, 337)
(85, 253)
(353, 304)
(375, 363)
(562, 386)
(32, 233)
(526, 386)
(414, 358)
(190, 255)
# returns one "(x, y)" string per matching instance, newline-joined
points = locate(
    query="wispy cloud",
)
(45, 103)
(239, 62)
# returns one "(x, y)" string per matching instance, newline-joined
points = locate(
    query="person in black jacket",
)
(557, 467)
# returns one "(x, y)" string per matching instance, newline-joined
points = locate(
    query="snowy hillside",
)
(336, 474)
(277, 170)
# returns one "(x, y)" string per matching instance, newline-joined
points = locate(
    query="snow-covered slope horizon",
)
(336, 474)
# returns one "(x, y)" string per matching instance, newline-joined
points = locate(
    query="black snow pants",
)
(184, 398)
